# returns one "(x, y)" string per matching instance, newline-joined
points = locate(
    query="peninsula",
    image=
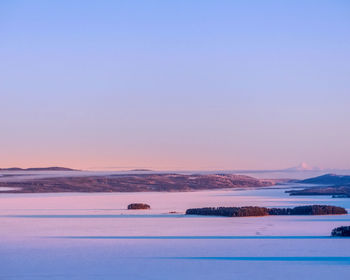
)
(134, 183)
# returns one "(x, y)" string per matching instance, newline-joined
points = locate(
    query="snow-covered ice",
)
(93, 236)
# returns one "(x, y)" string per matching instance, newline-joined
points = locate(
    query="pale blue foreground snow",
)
(93, 236)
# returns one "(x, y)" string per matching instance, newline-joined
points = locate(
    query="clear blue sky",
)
(175, 84)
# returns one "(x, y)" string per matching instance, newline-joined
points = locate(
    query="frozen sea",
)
(93, 236)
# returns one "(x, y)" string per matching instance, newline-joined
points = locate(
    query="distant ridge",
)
(135, 183)
(141, 170)
(328, 184)
(329, 179)
(51, 168)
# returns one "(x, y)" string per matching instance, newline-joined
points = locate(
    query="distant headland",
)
(328, 184)
(135, 183)
(141, 170)
(51, 168)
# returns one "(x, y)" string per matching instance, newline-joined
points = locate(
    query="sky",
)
(170, 85)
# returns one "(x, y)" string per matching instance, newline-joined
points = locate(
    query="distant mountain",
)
(302, 167)
(53, 168)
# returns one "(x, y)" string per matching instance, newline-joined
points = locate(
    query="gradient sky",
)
(175, 84)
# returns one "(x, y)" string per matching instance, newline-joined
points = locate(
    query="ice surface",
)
(93, 236)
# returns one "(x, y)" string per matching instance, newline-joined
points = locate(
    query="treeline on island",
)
(309, 210)
(343, 231)
(138, 206)
(247, 211)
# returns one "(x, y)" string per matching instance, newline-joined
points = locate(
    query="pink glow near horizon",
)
(219, 87)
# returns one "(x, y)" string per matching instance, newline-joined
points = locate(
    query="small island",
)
(248, 211)
(341, 231)
(138, 206)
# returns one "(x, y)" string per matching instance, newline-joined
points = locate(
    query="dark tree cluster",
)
(262, 211)
(309, 210)
(318, 210)
(280, 211)
(138, 206)
(229, 211)
(341, 231)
